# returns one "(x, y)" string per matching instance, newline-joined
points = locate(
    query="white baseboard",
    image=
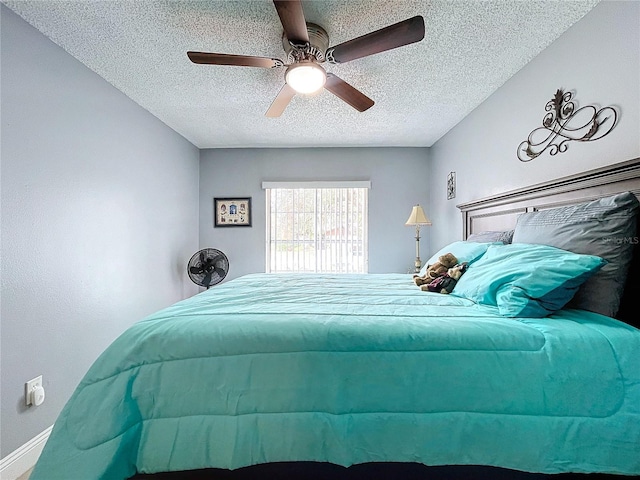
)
(24, 457)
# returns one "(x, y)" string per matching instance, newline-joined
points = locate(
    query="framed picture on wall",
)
(232, 212)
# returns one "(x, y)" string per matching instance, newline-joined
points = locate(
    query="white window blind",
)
(318, 227)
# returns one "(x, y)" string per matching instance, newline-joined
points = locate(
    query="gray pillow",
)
(604, 227)
(491, 236)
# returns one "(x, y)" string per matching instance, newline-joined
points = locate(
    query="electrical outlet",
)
(29, 387)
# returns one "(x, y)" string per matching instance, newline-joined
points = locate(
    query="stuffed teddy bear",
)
(439, 268)
(447, 282)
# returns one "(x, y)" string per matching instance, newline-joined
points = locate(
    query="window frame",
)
(269, 186)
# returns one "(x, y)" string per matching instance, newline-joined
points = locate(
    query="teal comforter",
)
(351, 369)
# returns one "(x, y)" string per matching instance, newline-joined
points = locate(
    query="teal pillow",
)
(525, 280)
(463, 251)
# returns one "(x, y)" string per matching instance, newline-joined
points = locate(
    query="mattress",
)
(350, 369)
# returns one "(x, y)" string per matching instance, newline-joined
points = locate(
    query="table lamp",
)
(417, 218)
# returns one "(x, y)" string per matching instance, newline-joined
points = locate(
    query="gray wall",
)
(99, 217)
(599, 59)
(100, 199)
(398, 180)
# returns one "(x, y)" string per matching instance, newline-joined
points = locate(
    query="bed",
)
(367, 376)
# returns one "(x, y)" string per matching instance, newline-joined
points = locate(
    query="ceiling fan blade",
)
(285, 95)
(349, 94)
(292, 19)
(394, 36)
(237, 60)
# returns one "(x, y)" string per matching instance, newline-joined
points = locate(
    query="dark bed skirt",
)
(366, 471)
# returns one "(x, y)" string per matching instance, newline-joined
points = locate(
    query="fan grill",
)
(208, 267)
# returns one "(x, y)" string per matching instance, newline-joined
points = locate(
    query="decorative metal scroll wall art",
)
(563, 123)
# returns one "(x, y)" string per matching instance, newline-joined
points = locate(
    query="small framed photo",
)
(451, 185)
(232, 212)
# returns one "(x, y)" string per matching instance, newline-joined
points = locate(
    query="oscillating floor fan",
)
(208, 267)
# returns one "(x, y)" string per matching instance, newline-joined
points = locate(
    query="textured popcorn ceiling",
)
(421, 91)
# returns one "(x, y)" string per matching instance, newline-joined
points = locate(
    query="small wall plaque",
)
(451, 185)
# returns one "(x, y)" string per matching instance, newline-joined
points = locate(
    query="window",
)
(317, 227)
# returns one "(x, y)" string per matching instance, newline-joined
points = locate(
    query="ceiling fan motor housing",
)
(318, 45)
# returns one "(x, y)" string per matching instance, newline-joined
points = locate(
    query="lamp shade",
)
(305, 77)
(417, 217)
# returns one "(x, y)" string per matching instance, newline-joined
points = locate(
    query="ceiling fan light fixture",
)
(306, 77)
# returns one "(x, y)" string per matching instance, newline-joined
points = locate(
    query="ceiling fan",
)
(307, 46)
